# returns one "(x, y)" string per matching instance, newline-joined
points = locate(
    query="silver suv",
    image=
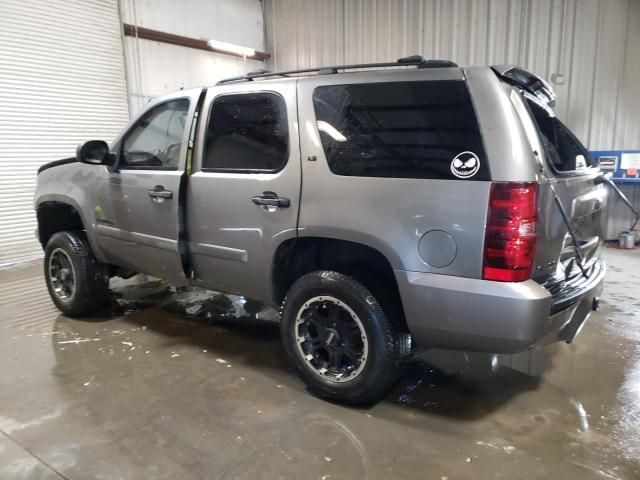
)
(385, 208)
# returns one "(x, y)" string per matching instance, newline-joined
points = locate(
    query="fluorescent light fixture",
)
(331, 131)
(231, 48)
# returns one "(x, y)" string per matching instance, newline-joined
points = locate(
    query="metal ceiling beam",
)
(182, 41)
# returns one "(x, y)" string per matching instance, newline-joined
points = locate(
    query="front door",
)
(243, 196)
(138, 214)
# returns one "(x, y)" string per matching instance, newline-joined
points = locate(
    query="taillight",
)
(510, 240)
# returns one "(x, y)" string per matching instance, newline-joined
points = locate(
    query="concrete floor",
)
(170, 385)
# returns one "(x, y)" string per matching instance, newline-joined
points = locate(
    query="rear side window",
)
(247, 133)
(401, 129)
(564, 151)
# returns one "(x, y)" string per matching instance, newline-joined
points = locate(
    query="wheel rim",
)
(62, 275)
(331, 339)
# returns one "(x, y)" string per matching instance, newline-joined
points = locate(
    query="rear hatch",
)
(569, 172)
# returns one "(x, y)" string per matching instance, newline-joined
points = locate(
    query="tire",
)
(310, 302)
(87, 290)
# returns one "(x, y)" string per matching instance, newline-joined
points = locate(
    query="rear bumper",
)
(478, 315)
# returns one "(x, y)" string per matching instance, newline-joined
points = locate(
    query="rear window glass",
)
(564, 151)
(401, 130)
(247, 132)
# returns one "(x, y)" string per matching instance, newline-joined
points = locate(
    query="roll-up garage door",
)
(62, 81)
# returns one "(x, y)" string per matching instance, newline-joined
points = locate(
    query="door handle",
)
(271, 199)
(159, 192)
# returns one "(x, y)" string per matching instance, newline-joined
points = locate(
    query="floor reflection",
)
(460, 385)
(196, 383)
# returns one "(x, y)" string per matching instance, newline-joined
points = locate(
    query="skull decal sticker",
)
(465, 165)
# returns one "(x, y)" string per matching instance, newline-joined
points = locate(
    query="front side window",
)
(564, 151)
(424, 129)
(247, 132)
(154, 142)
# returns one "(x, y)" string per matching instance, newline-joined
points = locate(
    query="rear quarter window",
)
(425, 129)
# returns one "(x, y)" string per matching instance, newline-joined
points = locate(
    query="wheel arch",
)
(56, 213)
(298, 256)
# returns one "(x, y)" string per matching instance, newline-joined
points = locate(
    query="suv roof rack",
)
(414, 60)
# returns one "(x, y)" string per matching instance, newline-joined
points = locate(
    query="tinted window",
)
(154, 142)
(564, 151)
(402, 129)
(247, 132)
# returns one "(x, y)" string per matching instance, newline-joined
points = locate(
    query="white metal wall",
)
(156, 68)
(61, 82)
(594, 44)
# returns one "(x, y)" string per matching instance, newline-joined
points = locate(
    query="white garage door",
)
(62, 81)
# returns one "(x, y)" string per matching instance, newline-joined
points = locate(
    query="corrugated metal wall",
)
(593, 44)
(61, 82)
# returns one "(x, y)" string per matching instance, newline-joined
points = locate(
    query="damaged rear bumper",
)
(499, 317)
(572, 304)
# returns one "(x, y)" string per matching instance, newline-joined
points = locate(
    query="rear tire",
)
(340, 340)
(78, 284)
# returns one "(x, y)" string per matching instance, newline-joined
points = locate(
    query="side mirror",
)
(94, 152)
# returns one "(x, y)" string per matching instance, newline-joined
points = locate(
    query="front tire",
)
(78, 284)
(340, 340)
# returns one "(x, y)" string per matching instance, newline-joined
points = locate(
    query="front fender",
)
(73, 184)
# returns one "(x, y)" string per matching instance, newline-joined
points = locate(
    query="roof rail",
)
(414, 60)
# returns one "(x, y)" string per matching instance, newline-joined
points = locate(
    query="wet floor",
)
(190, 384)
